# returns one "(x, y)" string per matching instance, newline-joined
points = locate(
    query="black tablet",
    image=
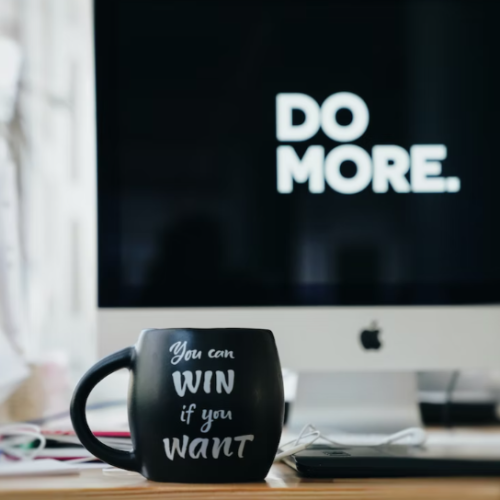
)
(324, 461)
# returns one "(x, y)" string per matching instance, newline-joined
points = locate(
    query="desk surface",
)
(282, 483)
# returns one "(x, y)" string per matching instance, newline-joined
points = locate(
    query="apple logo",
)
(369, 337)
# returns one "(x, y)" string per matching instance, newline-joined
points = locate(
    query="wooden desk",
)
(282, 483)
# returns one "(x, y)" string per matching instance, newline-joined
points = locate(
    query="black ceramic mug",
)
(205, 405)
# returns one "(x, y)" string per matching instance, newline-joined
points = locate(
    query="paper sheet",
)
(36, 468)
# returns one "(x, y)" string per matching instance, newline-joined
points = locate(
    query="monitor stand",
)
(364, 402)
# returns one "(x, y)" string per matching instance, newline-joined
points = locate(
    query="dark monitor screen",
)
(288, 153)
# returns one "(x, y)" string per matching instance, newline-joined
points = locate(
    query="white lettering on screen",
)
(389, 166)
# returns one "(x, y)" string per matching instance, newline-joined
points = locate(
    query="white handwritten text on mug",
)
(222, 382)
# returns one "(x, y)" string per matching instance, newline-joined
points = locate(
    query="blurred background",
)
(48, 179)
(48, 207)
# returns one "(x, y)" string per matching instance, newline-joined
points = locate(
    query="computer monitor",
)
(325, 169)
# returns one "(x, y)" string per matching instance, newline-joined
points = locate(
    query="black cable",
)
(448, 398)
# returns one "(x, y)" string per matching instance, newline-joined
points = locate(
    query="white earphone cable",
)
(16, 441)
(415, 435)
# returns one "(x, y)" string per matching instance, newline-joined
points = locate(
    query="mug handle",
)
(118, 458)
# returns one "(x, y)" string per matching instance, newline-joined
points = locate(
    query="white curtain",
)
(53, 149)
